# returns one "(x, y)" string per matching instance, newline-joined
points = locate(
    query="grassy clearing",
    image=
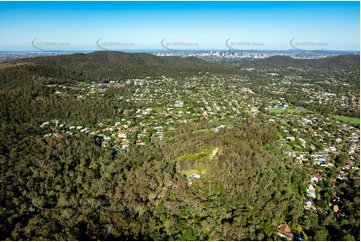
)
(350, 120)
(201, 158)
(183, 109)
(275, 110)
(201, 170)
(158, 109)
(84, 84)
(197, 156)
(189, 172)
(279, 110)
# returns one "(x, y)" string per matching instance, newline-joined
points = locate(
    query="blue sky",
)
(181, 25)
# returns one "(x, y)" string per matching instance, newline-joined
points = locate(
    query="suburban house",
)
(125, 144)
(285, 231)
(309, 204)
(336, 209)
(316, 177)
(121, 134)
(57, 134)
(140, 142)
(179, 104)
(311, 192)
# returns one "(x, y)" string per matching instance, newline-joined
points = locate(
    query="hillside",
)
(120, 58)
(339, 62)
(120, 65)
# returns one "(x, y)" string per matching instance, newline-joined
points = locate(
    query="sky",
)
(179, 25)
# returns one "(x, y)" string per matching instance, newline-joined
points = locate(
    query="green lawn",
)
(279, 110)
(159, 109)
(202, 157)
(197, 156)
(84, 84)
(350, 120)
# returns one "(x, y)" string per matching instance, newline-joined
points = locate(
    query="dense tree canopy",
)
(72, 186)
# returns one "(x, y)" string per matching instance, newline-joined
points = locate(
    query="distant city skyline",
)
(69, 26)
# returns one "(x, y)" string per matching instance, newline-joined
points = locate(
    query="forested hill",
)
(341, 61)
(121, 58)
(338, 62)
(101, 64)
